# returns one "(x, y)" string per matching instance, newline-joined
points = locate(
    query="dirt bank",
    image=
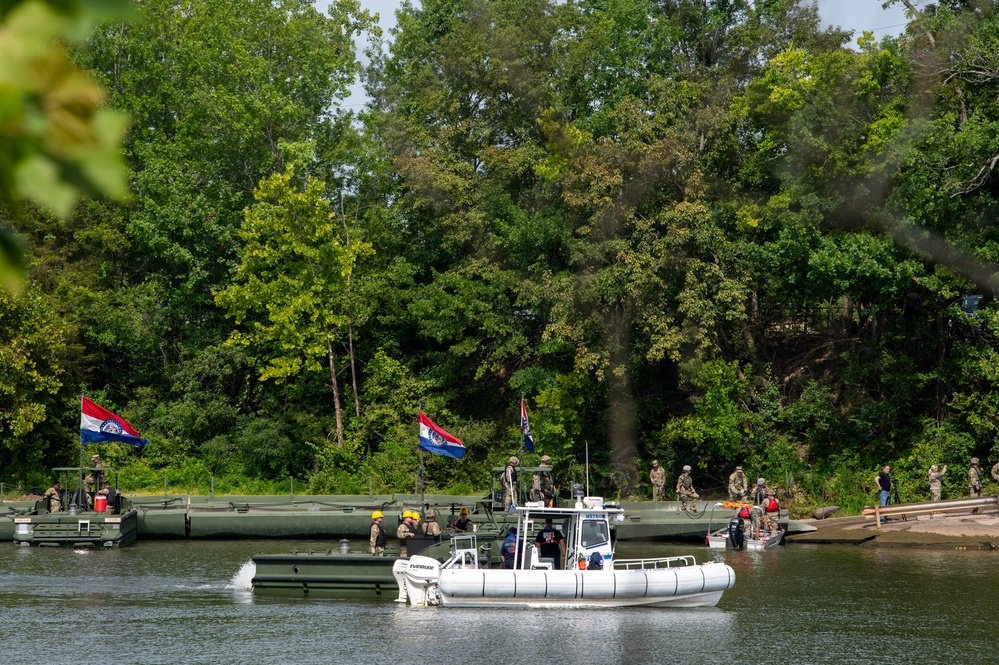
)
(947, 532)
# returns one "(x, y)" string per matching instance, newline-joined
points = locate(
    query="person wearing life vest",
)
(431, 527)
(378, 536)
(463, 523)
(745, 521)
(772, 513)
(406, 529)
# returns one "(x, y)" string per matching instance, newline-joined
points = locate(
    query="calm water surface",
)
(189, 602)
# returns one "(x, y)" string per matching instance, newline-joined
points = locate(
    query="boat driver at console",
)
(508, 550)
(551, 544)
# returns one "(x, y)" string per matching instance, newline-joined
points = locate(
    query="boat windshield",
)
(594, 533)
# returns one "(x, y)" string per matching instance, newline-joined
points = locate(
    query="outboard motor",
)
(422, 575)
(735, 532)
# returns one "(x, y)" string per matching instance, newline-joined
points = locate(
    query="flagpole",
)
(422, 473)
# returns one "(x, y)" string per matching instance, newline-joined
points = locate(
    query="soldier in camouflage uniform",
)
(936, 485)
(378, 536)
(509, 482)
(657, 476)
(737, 490)
(760, 490)
(54, 495)
(685, 490)
(772, 513)
(547, 483)
(431, 527)
(975, 477)
(995, 472)
(406, 529)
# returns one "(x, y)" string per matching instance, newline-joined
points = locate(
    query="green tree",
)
(289, 284)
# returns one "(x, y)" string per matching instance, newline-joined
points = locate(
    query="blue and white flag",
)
(525, 427)
(435, 440)
(98, 425)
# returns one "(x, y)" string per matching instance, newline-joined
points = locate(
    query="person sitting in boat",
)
(746, 520)
(551, 543)
(760, 491)
(756, 521)
(508, 550)
(111, 494)
(378, 536)
(406, 529)
(772, 510)
(54, 495)
(463, 523)
(596, 562)
(431, 527)
(685, 490)
(509, 483)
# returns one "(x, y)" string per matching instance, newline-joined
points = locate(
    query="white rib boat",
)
(463, 581)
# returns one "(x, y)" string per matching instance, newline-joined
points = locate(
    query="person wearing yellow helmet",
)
(463, 523)
(378, 536)
(406, 529)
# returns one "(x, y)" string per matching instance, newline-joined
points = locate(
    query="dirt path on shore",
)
(939, 531)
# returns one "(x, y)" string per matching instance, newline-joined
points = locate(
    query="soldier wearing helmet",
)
(463, 523)
(657, 476)
(975, 477)
(685, 490)
(760, 490)
(509, 483)
(406, 529)
(378, 536)
(545, 484)
(431, 527)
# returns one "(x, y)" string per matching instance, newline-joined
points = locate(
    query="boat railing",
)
(464, 552)
(653, 564)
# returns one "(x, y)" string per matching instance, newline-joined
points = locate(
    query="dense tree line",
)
(704, 231)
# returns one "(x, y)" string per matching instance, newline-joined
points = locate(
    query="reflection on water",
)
(188, 602)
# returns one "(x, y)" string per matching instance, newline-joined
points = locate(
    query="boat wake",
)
(241, 580)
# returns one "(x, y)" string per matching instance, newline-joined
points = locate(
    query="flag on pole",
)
(525, 427)
(97, 425)
(435, 440)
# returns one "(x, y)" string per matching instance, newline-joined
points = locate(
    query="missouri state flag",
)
(525, 427)
(97, 425)
(435, 440)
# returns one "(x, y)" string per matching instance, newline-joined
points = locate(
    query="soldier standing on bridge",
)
(737, 490)
(975, 477)
(657, 476)
(935, 483)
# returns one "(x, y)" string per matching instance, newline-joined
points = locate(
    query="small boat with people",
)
(573, 568)
(745, 530)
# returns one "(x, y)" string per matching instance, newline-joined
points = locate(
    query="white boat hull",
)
(686, 586)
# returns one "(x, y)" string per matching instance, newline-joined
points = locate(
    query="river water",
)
(189, 602)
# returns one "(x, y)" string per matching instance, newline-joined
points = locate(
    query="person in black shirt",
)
(463, 523)
(884, 487)
(551, 542)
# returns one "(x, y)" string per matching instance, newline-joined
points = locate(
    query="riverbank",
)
(964, 532)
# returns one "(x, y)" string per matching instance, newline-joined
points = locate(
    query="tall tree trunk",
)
(353, 371)
(336, 394)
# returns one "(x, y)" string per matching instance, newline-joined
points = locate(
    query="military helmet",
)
(686, 467)
(514, 460)
(375, 515)
(546, 458)
(738, 468)
(771, 493)
(430, 513)
(94, 456)
(463, 511)
(974, 460)
(760, 481)
(655, 462)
